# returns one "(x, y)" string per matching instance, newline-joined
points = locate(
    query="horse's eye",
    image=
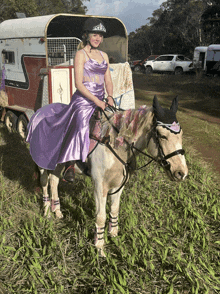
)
(162, 137)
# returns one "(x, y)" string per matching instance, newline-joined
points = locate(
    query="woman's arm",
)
(78, 73)
(108, 82)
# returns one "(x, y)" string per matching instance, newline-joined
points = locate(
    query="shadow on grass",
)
(17, 166)
(16, 162)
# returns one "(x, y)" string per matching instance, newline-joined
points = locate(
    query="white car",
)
(175, 63)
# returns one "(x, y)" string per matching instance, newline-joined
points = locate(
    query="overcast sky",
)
(134, 14)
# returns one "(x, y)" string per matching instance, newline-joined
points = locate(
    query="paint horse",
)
(123, 135)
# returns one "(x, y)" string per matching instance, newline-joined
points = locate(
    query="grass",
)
(169, 238)
(199, 109)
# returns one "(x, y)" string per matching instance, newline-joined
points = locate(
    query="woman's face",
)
(95, 39)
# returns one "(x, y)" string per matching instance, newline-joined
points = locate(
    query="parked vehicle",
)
(37, 62)
(199, 56)
(176, 63)
(139, 64)
(133, 63)
(212, 60)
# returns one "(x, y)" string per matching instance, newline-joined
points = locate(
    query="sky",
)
(133, 14)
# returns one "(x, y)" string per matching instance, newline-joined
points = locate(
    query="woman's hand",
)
(110, 101)
(101, 104)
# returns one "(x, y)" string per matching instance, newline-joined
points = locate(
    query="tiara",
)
(99, 27)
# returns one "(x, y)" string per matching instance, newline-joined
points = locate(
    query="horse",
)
(111, 163)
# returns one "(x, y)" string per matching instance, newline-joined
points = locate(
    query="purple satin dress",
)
(57, 132)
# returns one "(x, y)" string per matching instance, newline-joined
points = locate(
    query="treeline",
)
(178, 26)
(9, 8)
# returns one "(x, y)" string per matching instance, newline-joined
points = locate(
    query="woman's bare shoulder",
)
(80, 55)
(105, 55)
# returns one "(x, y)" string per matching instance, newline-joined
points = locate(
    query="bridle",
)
(161, 159)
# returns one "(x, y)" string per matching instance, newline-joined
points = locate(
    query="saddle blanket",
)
(95, 132)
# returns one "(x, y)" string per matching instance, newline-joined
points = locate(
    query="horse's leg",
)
(55, 201)
(113, 217)
(44, 185)
(100, 200)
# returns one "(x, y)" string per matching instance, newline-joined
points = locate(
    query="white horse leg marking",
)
(55, 201)
(113, 218)
(54, 204)
(46, 198)
(100, 161)
(100, 199)
(107, 173)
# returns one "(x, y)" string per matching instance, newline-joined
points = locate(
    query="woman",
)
(59, 133)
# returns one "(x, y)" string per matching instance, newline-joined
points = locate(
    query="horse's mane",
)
(129, 123)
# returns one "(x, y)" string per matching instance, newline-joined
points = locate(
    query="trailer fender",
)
(22, 116)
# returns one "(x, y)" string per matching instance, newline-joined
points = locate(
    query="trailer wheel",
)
(10, 121)
(22, 126)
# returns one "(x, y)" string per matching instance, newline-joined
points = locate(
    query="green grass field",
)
(169, 238)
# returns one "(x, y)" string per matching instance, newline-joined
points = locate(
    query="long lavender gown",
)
(57, 132)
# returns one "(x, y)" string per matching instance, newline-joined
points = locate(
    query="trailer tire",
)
(22, 126)
(10, 121)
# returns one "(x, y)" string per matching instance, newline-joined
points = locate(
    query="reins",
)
(132, 147)
(162, 161)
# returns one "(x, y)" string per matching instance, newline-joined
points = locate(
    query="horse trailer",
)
(212, 66)
(37, 64)
(199, 57)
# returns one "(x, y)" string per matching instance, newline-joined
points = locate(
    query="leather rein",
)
(128, 167)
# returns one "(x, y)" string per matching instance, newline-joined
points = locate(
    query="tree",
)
(176, 27)
(61, 6)
(211, 24)
(77, 7)
(8, 8)
(139, 45)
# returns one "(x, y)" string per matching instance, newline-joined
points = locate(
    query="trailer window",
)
(8, 57)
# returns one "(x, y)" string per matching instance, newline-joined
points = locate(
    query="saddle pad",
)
(95, 132)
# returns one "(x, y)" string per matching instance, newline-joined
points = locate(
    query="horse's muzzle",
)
(177, 175)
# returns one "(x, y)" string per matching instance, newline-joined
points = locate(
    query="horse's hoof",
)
(99, 244)
(101, 252)
(58, 214)
(47, 215)
(113, 232)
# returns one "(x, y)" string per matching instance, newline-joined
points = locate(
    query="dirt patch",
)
(199, 103)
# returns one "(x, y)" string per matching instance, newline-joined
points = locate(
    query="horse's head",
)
(167, 136)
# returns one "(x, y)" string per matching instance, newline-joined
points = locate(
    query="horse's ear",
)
(157, 109)
(174, 105)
